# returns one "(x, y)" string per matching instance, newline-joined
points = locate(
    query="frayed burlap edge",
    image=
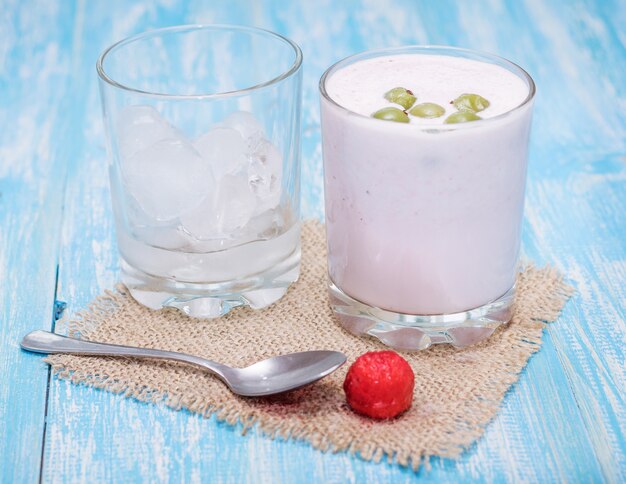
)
(540, 298)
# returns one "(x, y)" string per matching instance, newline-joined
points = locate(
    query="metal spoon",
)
(267, 377)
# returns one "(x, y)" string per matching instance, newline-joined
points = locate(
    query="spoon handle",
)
(47, 342)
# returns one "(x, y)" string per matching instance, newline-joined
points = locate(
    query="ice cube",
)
(265, 175)
(169, 237)
(144, 228)
(139, 127)
(168, 178)
(224, 150)
(234, 203)
(264, 226)
(248, 126)
(225, 211)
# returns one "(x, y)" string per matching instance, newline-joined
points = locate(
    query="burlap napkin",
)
(457, 392)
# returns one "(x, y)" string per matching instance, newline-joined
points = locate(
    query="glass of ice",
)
(203, 128)
(425, 153)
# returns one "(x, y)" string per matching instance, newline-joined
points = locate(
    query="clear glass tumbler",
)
(423, 218)
(203, 128)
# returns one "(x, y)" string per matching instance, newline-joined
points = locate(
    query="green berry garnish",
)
(470, 102)
(401, 96)
(462, 117)
(391, 114)
(427, 110)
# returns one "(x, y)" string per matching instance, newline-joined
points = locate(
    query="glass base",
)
(211, 300)
(418, 332)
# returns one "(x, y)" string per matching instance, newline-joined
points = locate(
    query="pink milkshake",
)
(424, 214)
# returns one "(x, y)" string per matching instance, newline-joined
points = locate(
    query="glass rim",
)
(295, 66)
(485, 56)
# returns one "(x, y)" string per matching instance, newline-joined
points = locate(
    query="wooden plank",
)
(576, 211)
(33, 74)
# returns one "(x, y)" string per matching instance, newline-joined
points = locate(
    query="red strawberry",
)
(379, 384)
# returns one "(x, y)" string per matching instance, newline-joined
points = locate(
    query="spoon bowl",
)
(283, 373)
(267, 377)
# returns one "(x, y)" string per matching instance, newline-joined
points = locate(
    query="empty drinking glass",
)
(203, 127)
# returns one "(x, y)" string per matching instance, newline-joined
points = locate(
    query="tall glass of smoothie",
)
(425, 153)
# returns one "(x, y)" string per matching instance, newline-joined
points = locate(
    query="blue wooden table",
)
(564, 420)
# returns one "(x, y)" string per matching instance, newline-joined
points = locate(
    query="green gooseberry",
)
(401, 96)
(427, 110)
(391, 114)
(462, 117)
(470, 102)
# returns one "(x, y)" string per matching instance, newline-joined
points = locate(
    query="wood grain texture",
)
(564, 420)
(33, 73)
(578, 186)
